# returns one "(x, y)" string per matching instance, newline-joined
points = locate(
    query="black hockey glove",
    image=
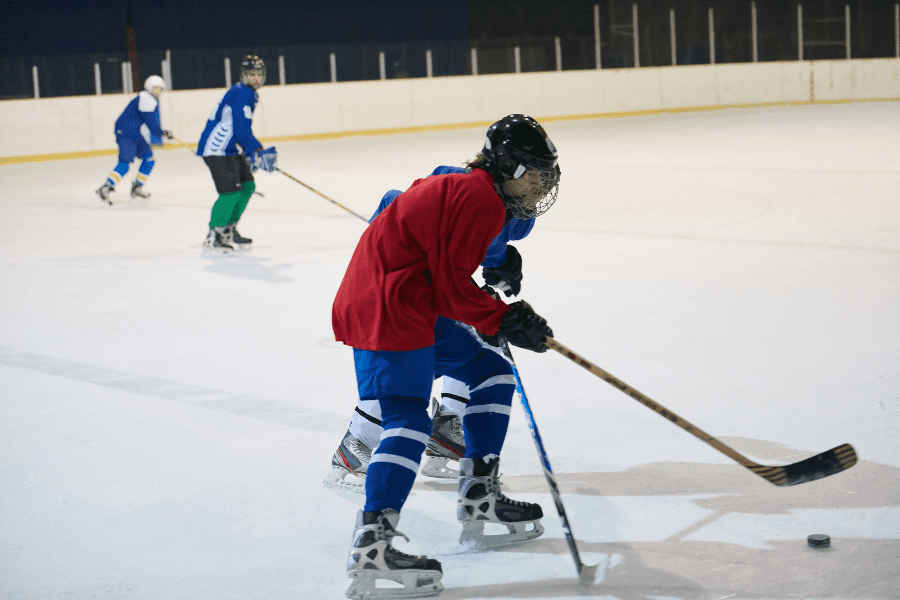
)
(508, 277)
(523, 327)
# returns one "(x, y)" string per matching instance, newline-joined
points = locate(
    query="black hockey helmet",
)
(253, 71)
(517, 146)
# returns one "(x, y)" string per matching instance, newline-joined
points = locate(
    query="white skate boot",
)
(215, 242)
(447, 444)
(236, 239)
(349, 465)
(138, 190)
(480, 501)
(105, 190)
(372, 558)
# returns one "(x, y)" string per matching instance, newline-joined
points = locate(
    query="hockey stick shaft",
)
(822, 465)
(310, 188)
(586, 573)
(315, 191)
(186, 147)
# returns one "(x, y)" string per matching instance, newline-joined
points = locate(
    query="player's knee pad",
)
(146, 165)
(407, 428)
(493, 377)
(405, 412)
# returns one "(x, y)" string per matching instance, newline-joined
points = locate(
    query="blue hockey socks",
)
(392, 471)
(144, 170)
(117, 174)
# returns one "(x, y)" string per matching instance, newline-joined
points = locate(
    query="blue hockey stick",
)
(586, 573)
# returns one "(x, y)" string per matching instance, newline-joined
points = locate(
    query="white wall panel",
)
(749, 84)
(629, 90)
(795, 82)
(691, 85)
(875, 79)
(445, 100)
(833, 80)
(502, 95)
(84, 124)
(575, 93)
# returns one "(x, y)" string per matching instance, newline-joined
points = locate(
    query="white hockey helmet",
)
(154, 81)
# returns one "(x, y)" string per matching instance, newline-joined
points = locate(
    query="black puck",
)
(818, 540)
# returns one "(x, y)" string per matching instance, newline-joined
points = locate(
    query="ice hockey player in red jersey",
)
(455, 346)
(411, 272)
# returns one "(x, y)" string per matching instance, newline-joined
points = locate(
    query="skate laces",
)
(504, 498)
(493, 485)
(384, 533)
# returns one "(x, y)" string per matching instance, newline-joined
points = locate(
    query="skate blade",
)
(417, 583)
(215, 252)
(337, 479)
(473, 534)
(436, 466)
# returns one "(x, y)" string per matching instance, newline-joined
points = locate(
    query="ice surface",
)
(166, 418)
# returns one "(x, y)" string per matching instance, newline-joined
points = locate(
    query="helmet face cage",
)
(524, 161)
(253, 72)
(533, 193)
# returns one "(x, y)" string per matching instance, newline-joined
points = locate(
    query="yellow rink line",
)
(425, 128)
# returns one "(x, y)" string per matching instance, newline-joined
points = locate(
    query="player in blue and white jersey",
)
(143, 110)
(231, 152)
(502, 270)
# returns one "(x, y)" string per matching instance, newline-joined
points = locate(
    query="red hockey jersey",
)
(414, 263)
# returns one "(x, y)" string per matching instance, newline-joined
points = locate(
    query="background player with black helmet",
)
(142, 111)
(409, 277)
(231, 152)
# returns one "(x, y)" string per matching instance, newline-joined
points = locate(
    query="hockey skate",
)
(233, 237)
(138, 191)
(480, 501)
(215, 242)
(105, 190)
(349, 465)
(447, 443)
(372, 558)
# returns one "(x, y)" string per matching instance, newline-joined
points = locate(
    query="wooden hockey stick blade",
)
(816, 467)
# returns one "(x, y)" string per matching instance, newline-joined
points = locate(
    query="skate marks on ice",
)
(235, 404)
(521, 574)
(241, 265)
(702, 531)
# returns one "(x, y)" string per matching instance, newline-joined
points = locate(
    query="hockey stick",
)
(821, 465)
(586, 573)
(188, 148)
(288, 175)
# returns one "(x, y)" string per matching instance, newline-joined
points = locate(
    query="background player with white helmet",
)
(401, 306)
(231, 152)
(142, 110)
